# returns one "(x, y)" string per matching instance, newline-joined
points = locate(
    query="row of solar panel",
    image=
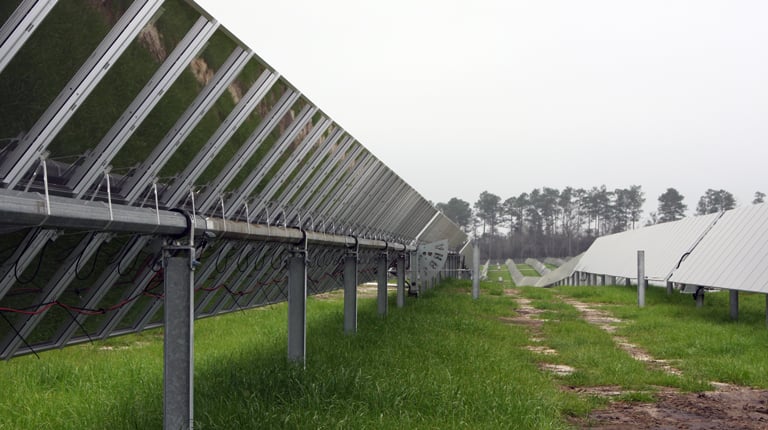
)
(152, 104)
(727, 250)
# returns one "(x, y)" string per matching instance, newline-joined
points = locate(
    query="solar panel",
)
(147, 156)
(733, 253)
(664, 245)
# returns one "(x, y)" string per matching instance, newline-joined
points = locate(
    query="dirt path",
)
(608, 323)
(728, 408)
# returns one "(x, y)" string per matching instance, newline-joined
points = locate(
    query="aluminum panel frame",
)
(178, 60)
(203, 103)
(34, 143)
(226, 130)
(20, 25)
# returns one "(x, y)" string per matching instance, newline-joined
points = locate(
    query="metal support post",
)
(297, 308)
(178, 352)
(416, 280)
(734, 304)
(350, 293)
(475, 269)
(401, 279)
(641, 279)
(457, 267)
(382, 275)
(669, 288)
(699, 297)
(602, 280)
(628, 282)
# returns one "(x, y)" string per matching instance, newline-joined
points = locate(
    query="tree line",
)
(547, 222)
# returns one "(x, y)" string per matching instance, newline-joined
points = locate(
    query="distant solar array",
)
(725, 250)
(135, 135)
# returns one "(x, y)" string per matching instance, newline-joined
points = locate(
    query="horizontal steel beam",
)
(31, 209)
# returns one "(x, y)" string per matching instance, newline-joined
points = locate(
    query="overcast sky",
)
(458, 97)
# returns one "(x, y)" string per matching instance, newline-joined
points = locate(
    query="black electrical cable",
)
(235, 295)
(93, 264)
(37, 268)
(119, 255)
(239, 261)
(218, 259)
(2, 314)
(277, 254)
(74, 318)
(324, 257)
(130, 268)
(200, 249)
(682, 258)
(303, 241)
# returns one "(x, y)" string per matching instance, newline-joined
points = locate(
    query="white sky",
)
(458, 97)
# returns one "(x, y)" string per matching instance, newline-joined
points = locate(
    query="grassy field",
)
(443, 361)
(527, 270)
(704, 343)
(494, 273)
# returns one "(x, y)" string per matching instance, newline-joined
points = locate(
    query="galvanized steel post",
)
(734, 304)
(641, 278)
(699, 295)
(178, 345)
(415, 275)
(475, 269)
(401, 279)
(382, 290)
(297, 307)
(350, 293)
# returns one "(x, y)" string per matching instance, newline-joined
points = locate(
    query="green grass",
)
(493, 285)
(443, 361)
(527, 270)
(705, 342)
(550, 266)
(592, 351)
